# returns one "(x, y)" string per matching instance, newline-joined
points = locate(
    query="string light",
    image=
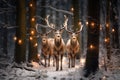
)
(100, 27)
(19, 41)
(72, 9)
(87, 23)
(35, 45)
(106, 40)
(32, 32)
(92, 24)
(38, 55)
(33, 19)
(31, 38)
(113, 30)
(15, 38)
(91, 46)
(79, 23)
(31, 5)
(107, 25)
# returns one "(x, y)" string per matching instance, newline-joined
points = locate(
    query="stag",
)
(46, 47)
(72, 45)
(59, 45)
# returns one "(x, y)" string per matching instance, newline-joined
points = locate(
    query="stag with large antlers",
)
(47, 46)
(59, 45)
(72, 45)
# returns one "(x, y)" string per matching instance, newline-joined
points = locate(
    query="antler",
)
(65, 24)
(52, 26)
(36, 26)
(80, 29)
(41, 33)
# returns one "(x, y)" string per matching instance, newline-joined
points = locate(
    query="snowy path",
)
(8, 72)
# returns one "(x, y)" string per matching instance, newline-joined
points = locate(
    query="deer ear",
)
(70, 33)
(46, 34)
(61, 31)
(40, 35)
(76, 34)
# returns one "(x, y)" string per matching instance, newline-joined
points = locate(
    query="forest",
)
(59, 39)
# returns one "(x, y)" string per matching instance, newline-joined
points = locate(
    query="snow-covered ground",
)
(13, 71)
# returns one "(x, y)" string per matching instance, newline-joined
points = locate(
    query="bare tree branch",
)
(5, 1)
(58, 10)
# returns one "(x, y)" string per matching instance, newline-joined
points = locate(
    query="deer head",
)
(43, 36)
(73, 35)
(57, 32)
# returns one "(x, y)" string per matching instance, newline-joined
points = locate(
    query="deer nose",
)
(73, 38)
(43, 40)
(58, 36)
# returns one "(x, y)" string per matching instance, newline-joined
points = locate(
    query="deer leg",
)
(61, 62)
(45, 61)
(69, 63)
(74, 61)
(49, 60)
(56, 62)
(53, 61)
(69, 60)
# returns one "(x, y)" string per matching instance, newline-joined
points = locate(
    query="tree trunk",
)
(115, 24)
(5, 34)
(76, 20)
(32, 56)
(107, 39)
(91, 64)
(20, 49)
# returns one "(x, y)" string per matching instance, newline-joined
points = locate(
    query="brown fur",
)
(72, 48)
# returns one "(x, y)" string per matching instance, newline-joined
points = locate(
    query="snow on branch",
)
(58, 10)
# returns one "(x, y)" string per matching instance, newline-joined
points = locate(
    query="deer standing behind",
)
(72, 45)
(59, 45)
(46, 47)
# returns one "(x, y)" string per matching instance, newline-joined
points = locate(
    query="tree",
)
(76, 20)
(107, 39)
(5, 33)
(43, 14)
(91, 64)
(32, 40)
(20, 44)
(115, 24)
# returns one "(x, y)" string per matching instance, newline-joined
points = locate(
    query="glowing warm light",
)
(38, 55)
(79, 23)
(113, 30)
(100, 27)
(15, 38)
(72, 9)
(33, 19)
(35, 64)
(107, 25)
(92, 24)
(31, 38)
(106, 39)
(31, 5)
(32, 32)
(43, 61)
(35, 45)
(87, 23)
(82, 61)
(91, 46)
(20, 41)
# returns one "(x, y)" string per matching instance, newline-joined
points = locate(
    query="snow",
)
(13, 71)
